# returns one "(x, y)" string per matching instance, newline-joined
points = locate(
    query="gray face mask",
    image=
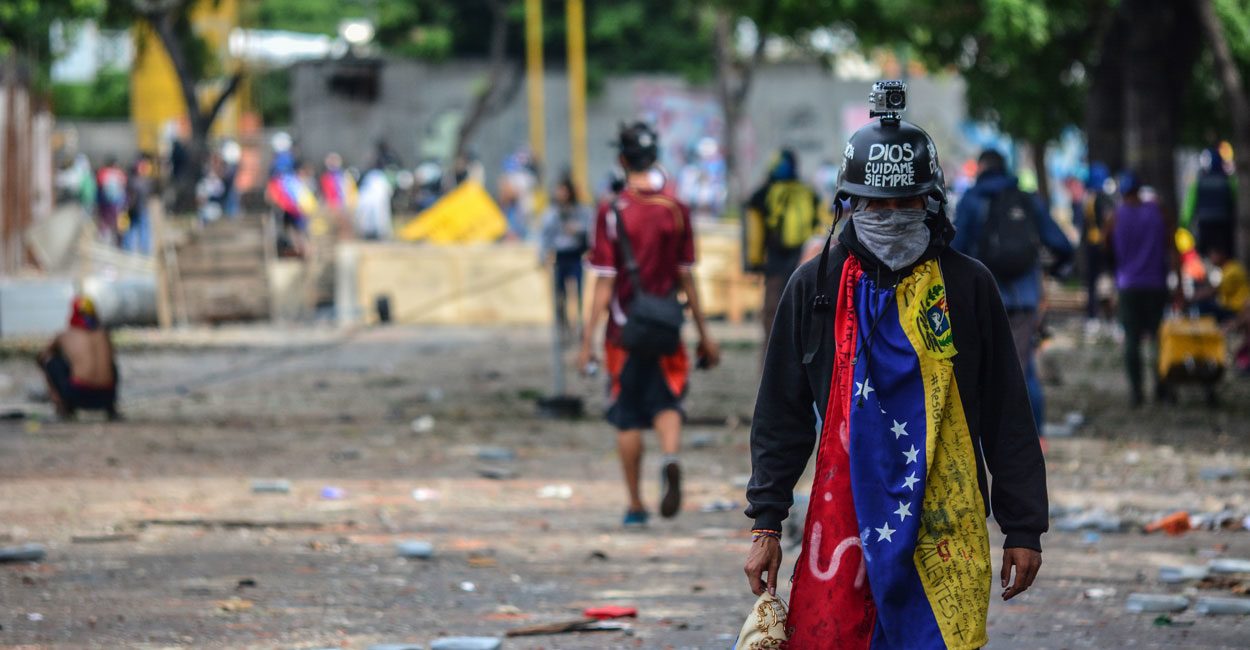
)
(896, 237)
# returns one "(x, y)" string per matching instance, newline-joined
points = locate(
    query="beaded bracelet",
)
(760, 533)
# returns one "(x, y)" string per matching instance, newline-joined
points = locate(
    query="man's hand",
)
(709, 352)
(765, 557)
(585, 355)
(1026, 562)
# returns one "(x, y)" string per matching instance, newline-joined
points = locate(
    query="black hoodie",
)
(991, 386)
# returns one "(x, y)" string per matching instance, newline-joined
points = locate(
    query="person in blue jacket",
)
(1022, 293)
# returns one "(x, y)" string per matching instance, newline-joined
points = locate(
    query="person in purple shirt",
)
(1141, 245)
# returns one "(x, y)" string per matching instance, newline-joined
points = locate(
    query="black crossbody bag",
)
(653, 325)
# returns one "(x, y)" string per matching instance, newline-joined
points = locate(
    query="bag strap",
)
(822, 303)
(626, 249)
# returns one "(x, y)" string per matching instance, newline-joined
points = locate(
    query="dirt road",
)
(199, 560)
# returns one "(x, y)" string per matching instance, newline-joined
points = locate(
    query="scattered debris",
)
(1184, 573)
(434, 395)
(483, 560)
(1132, 458)
(1163, 620)
(468, 587)
(34, 617)
(230, 523)
(417, 549)
(234, 605)
(332, 493)
(1096, 519)
(1214, 606)
(1218, 473)
(702, 440)
(1176, 523)
(345, 455)
(1154, 603)
(467, 643)
(497, 473)
(719, 505)
(23, 553)
(1074, 419)
(1229, 565)
(424, 494)
(1090, 538)
(1056, 430)
(562, 492)
(423, 424)
(104, 539)
(564, 627)
(496, 454)
(598, 555)
(245, 583)
(1099, 593)
(610, 611)
(395, 646)
(271, 486)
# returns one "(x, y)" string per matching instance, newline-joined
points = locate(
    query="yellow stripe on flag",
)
(953, 549)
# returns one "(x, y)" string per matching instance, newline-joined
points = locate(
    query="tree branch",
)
(1226, 67)
(231, 86)
(163, 25)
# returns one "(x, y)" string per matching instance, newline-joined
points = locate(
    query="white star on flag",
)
(863, 389)
(910, 481)
(904, 511)
(911, 454)
(885, 533)
(899, 429)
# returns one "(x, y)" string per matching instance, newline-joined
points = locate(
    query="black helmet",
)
(890, 159)
(639, 145)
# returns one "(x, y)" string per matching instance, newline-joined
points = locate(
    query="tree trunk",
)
(1239, 108)
(733, 86)
(1159, 54)
(485, 101)
(163, 18)
(1104, 108)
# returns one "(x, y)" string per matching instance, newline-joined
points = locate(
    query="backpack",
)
(1010, 242)
(653, 325)
(791, 213)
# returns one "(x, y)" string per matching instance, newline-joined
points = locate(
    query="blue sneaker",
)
(636, 518)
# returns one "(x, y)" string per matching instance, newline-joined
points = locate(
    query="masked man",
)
(892, 355)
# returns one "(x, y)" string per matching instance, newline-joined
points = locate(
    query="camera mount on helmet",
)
(887, 101)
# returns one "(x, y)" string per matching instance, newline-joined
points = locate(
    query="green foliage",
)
(412, 28)
(108, 97)
(271, 92)
(25, 26)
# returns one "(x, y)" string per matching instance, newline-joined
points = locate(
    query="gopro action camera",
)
(887, 100)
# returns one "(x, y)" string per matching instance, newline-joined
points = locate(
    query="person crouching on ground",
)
(79, 365)
(904, 348)
(643, 254)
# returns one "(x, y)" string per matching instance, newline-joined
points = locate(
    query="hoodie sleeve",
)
(1052, 235)
(1013, 454)
(783, 430)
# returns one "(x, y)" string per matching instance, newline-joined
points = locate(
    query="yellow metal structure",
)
(464, 215)
(576, 28)
(155, 96)
(534, 84)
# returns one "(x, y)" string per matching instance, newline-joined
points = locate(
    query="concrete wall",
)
(418, 109)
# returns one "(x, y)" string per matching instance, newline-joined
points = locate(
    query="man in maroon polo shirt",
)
(645, 392)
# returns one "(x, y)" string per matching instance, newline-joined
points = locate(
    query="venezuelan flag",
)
(895, 552)
(291, 195)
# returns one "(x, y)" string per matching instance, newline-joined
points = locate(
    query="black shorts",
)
(75, 397)
(643, 393)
